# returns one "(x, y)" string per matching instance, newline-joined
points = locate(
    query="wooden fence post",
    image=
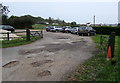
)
(112, 44)
(42, 34)
(27, 34)
(8, 37)
(100, 40)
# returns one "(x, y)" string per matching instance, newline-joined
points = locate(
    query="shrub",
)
(107, 30)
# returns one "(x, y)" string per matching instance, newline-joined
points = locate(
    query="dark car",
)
(7, 27)
(86, 31)
(48, 28)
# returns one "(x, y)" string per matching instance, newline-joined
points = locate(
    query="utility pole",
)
(94, 20)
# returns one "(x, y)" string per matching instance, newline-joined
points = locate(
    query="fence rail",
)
(104, 41)
(27, 34)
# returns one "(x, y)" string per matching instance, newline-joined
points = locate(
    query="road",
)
(49, 59)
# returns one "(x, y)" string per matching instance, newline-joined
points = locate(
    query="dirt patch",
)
(44, 73)
(39, 63)
(11, 64)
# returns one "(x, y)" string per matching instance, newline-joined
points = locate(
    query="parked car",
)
(7, 27)
(56, 28)
(86, 31)
(74, 30)
(68, 29)
(48, 28)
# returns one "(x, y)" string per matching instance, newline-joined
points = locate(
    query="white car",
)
(74, 30)
(56, 28)
(68, 29)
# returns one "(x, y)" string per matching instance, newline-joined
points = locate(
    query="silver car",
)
(56, 28)
(74, 30)
(68, 29)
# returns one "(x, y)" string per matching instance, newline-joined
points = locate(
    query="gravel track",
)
(49, 59)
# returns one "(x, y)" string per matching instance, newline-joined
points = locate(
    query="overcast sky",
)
(79, 11)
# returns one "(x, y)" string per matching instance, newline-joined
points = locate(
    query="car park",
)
(83, 30)
(7, 27)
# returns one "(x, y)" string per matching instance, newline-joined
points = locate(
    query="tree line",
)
(27, 21)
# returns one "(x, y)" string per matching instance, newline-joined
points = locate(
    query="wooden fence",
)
(107, 45)
(28, 34)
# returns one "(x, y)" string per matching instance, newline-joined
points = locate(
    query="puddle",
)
(77, 42)
(62, 38)
(41, 47)
(39, 63)
(55, 42)
(32, 55)
(11, 64)
(44, 73)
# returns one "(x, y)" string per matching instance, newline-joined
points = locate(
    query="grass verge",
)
(98, 68)
(39, 26)
(17, 42)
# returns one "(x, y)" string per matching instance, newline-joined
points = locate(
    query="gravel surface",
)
(49, 59)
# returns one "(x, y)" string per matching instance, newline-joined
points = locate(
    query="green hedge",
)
(107, 30)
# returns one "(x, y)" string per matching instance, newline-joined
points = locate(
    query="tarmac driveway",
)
(49, 59)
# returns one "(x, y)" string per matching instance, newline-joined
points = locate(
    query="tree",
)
(4, 19)
(73, 23)
(50, 20)
(118, 24)
(4, 9)
(26, 21)
(21, 22)
(14, 21)
(3, 14)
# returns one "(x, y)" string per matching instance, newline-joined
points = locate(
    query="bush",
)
(21, 22)
(107, 30)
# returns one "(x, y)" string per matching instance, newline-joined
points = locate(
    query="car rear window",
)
(89, 28)
(1, 27)
(83, 28)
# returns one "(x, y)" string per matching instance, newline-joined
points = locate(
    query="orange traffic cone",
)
(109, 53)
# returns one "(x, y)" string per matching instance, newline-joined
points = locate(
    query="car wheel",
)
(88, 34)
(79, 34)
(57, 30)
(94, 34)
(12, 31)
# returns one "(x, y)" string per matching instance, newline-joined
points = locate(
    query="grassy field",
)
(98, 68)
(39, 26)
(17, 42)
